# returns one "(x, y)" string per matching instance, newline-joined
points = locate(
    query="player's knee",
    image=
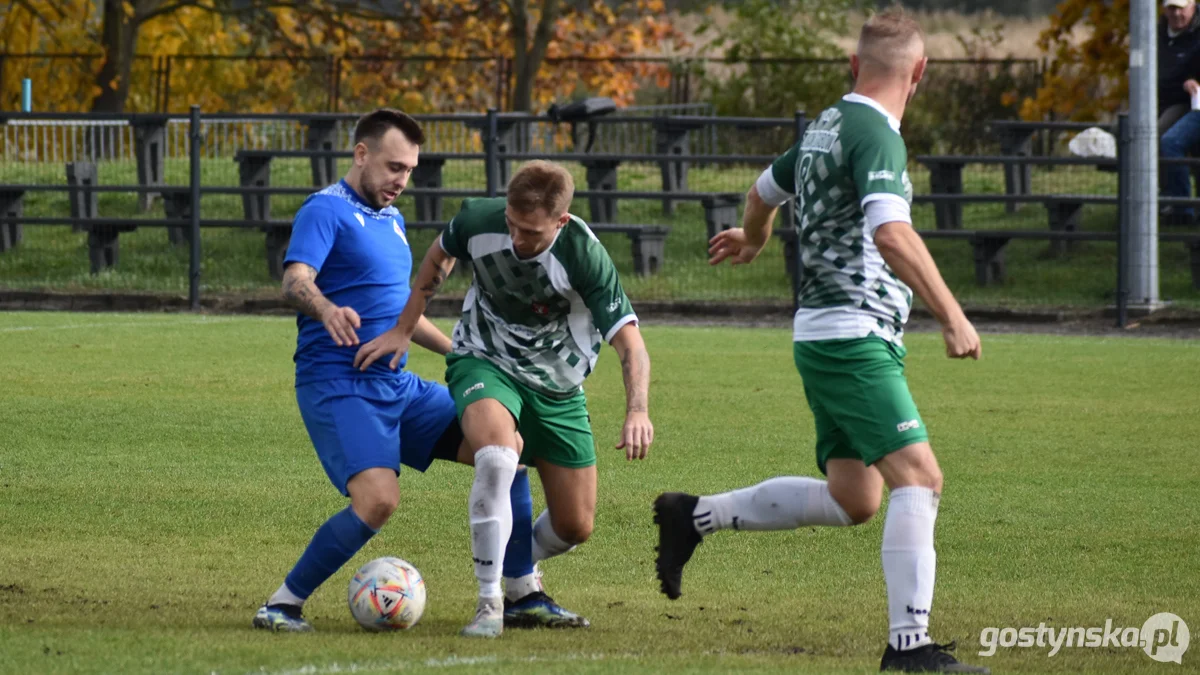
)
(376, 509)
(933, 478)
(574, 533)
(860, 508)
(861, 512)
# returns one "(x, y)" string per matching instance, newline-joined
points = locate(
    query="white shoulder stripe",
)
(585, 227)
(612, 332)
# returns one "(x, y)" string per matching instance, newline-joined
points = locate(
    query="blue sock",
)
(334, 544)
(518, 555)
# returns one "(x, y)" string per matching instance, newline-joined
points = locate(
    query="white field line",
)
(111, 324)
(448, 662)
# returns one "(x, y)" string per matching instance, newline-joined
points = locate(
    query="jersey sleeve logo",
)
(399, 232)
(881, 175)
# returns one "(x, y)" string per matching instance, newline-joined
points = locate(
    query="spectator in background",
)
(1178, 58)
(1178, 123)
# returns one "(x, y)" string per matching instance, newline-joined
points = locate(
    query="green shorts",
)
(859, 398)
(556, 430)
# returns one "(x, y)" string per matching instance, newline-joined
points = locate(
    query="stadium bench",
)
(720, 208)
(1016, 140)
(946, 188)
(647, 242)
(988, 247)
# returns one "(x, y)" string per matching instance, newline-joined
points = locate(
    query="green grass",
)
(156, 483)
(233, 260)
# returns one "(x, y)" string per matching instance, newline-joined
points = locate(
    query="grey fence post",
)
(489, 149)
(194, 178)
(1123, 216)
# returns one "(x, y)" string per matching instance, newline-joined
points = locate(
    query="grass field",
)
(156, 483)
(233, 261)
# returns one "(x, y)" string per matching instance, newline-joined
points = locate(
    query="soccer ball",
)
(387, 594)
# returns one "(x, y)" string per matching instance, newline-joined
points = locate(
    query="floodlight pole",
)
(1141, 261)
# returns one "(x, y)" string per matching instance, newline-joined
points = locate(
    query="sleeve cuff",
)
(769, 191)
(885, 207)
(302, 259)
(612, 332)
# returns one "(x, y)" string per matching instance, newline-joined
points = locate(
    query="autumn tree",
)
(1087, 79)
(269, 55)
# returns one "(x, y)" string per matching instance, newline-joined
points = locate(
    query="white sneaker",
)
(489, 619)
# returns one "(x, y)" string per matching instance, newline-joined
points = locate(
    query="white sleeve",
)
(769, 190)
(883, 207)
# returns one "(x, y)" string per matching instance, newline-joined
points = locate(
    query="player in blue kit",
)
(347, 273)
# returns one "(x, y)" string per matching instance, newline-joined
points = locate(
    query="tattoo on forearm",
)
(430, 289)
(635, 370)
(301, 292)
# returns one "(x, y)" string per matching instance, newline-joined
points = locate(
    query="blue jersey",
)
(363, 261)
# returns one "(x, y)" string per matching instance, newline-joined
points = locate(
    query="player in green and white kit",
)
(544, 297)
(860, 257)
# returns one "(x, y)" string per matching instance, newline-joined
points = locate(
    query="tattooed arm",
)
(434, 269)
(300, 291)
(638, 432)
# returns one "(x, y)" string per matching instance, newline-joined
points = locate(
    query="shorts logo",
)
(908, 426)
(881, 175)
(473, 388)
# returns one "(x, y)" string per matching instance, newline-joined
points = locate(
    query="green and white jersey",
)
(851, 155)
(540, 320)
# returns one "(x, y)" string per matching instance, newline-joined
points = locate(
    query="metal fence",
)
(1011, 228)
(40, 139)
(955, 92)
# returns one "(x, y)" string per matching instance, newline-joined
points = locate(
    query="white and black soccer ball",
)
(387, 594)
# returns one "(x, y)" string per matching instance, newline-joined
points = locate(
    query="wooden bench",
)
(647, 242)
(428, 191)
(945, 178)
(988, 247)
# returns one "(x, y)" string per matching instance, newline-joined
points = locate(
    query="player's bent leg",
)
(491, 429)
(783, 503)
(374, 495)
(353, 429)
(571, 498)
(570, 508)
(910, 562)
(912, 465)
(856, 487)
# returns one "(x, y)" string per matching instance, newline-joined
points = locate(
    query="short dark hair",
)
(374, 125)
(541, 184)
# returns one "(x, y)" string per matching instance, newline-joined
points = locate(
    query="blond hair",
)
(891, 41)
(541, 184)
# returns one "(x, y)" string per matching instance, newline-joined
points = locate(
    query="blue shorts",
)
(357, 424)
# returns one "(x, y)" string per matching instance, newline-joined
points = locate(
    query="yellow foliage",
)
(419, 65)
(1087, 80)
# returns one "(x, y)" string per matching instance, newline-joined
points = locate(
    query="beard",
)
(372, 192)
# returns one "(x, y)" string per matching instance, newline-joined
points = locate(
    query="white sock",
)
(516, 588)
(784, 503)
(491, 514)
(910, 564)
(285, 597)
(546, 544)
